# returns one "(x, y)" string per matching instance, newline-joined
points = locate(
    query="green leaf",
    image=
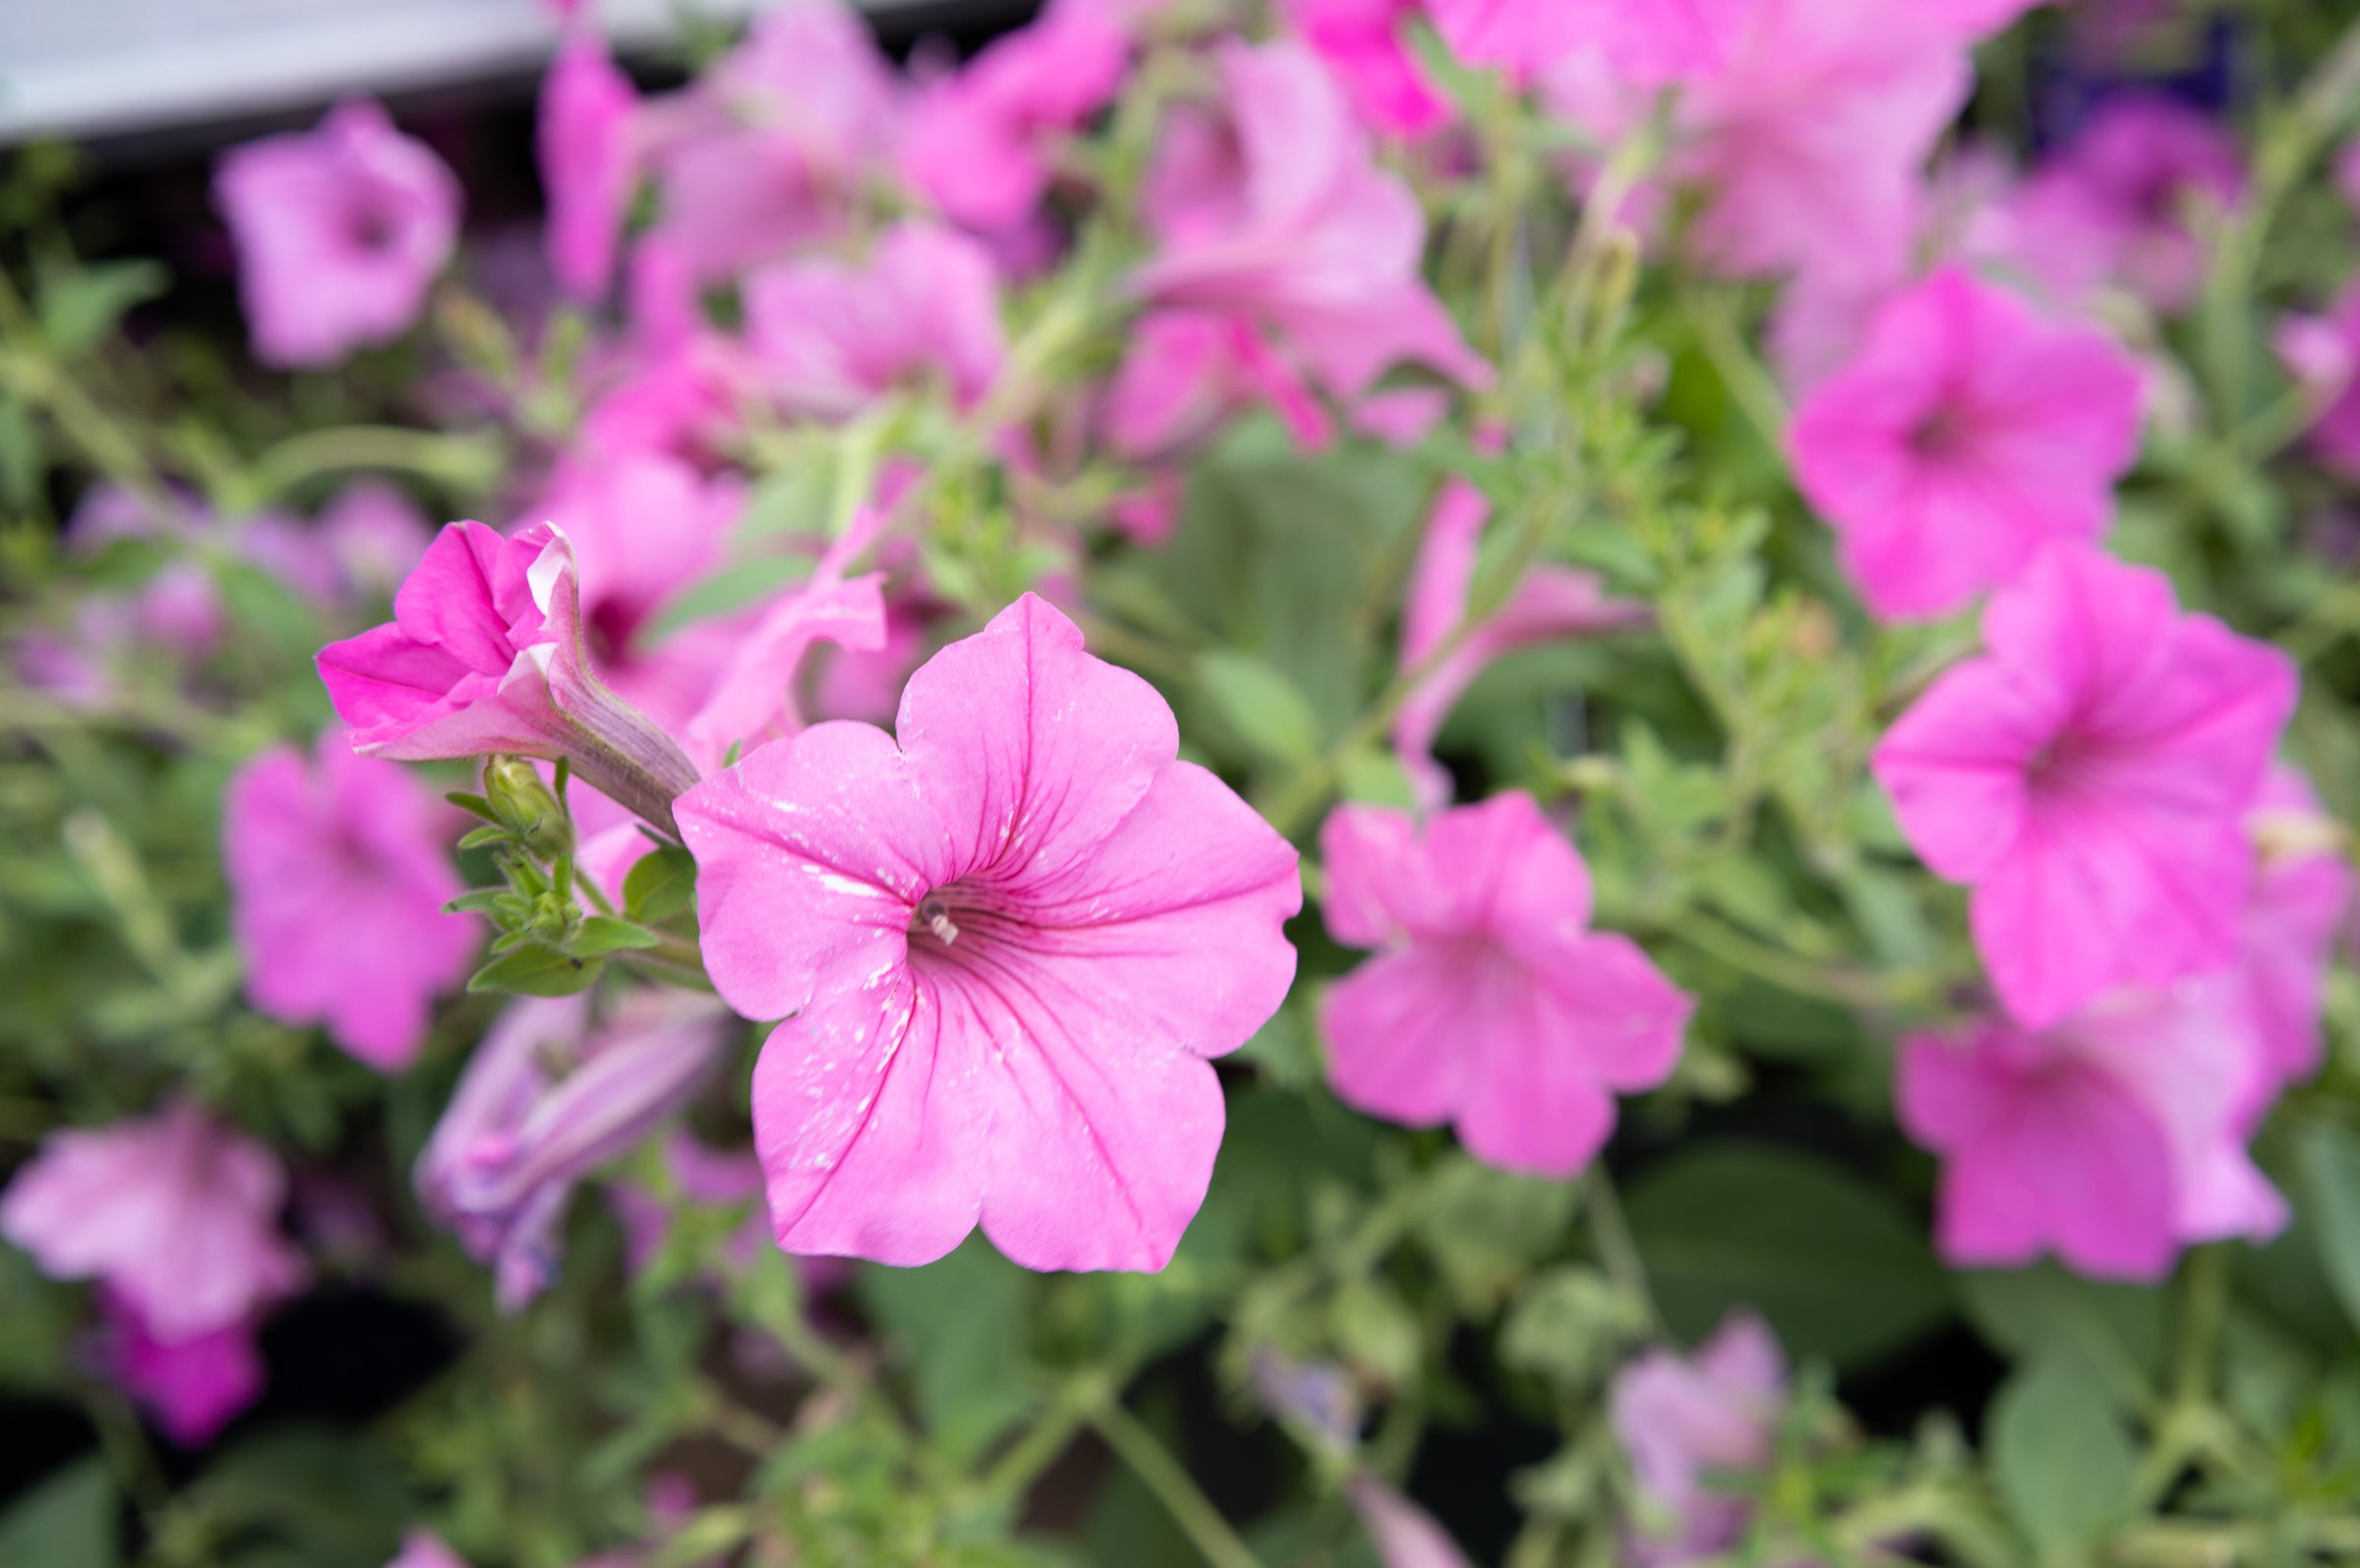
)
(1378, 777)
(1568, 1325)
(475, 804)
(602, 934)
(536, 970)
(1376, 1331)
(1837, 1268)
(2329, 1162)
(732, 588)
(2118, 1334)
(481, 900)
(660, 885)
(2062, 1459)
(80, 308)
(1484, 1229)
(963, 1326)
(328, 1497)
(68, 1521)
(1266, 710)
(477, 838)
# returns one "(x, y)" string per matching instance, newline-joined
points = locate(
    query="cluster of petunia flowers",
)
(1003, 943)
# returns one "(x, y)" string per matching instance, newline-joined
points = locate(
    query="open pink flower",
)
(584, 141)
(1361, 42)
(174, 1213)
(193, 1387)
(486, 655)
(1648, 41)
(1492, 1004)
(339, 231)
(828, 339)
(2112, 1139)
(1005, 948)
(1681, 1419)
(1963, 435)
(979, 142)
(2088, 777)
(337, 878)
(1278, 215)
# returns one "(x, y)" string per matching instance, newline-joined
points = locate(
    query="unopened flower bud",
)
(527, 807)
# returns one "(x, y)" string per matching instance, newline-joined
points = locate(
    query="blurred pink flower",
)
(1492, 1004)
(341, 231)
(1646, 41)
(1005, 948)
(337, 875)
(1403, 1535)
(828, 339)
(1681, 1420)
(2128, 181)
(1187, 373)
(588, 161)
(2322, 354)
(422, 1548)
(193, 1387)
(2301, 907)
(546, 1100)
(2088, 777)
(1965, 433)
(174, 1213)
(2112, 1139)
(980, 142)
(376, 535)
(1361, 42)
(486, 654)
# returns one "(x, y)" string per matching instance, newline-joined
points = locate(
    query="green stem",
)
(1162, 1475)
(1611, 1235)
(464, 463)
(1783, 970)
(1757, 396)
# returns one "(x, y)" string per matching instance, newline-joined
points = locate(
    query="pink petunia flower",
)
(980, 142)
(375, 535)
(1681, 1420)
(1964, 435)
(337, 878)
(1278, 215)
(422, 1548)
(2323, 356)
(584, 140)
(2088, 777)
(1403, 1535)
(1187, 373)
(2112, 1139)
(546, 1100)
(828, 339)
(341, 231)
(1361, 43)
(1492, 1004)
(1647, 41)
(486, 654)
(2133, 176)
(174, 1213)
(193, 1387)
(1006, 942)
(2301, 906)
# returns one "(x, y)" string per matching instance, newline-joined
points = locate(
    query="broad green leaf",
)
(660, 884)
(80, 308)
(68, 1521)
(2119, 1334)
(602, 934)
(2062, 1459)
(331, 1500)
(1838, 1269)
(2329, 1159)
(1265, 709)
(961, 1326)
(536, 970)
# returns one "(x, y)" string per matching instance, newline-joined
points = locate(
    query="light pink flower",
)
(375, 535)
(2322, 352)
(1278, 215)
(337, 878)
(486, 655)
(1964, 435)
(422, 1548)
(2112, 1139)
(341, 231)
(1187, 373)
(828, 339)
(1552, 604)
(584, 141)
(1492, 1004)
(193, 1387)
(1005, 948)
(2301, 905)
(1681, 1420)
(1404, 1535)
(2131, 175)
(1361, 42)
(2088, 777)
(545, 1101)
(980, 142)
(1648, 41)
(174, 1213)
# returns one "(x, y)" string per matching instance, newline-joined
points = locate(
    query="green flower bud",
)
(526, 807)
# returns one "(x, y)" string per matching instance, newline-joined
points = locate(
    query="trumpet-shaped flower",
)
(1492, 1004)
(2088, 777)
(584, 141)
(486, 654)
(1006, 940)
(339, 232)
(338, 879)
(2111, 1140)
(174, 1213)
(193, 1387)
(1964, 435)
(1681, 1419)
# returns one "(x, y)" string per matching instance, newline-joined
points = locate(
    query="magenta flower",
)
(1683, 1419)
(338, 879)
(588, 162)
(1279, 216)
(1648, 41)
(2301, 907)
(2137, 174)
(486, 655)
(2088, 777)
(2322, 354)
(828, 339)
(341, 231)
(2111, 1140)
(980, 142)
(1964, 435)
(545, 1101)
(1493, 1005)
(192, 1387)
(1187, 373)
(1361, 43)
(174, 1213)
(1005, 948)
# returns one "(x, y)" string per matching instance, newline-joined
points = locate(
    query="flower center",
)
(1940, 432)
(934, 915)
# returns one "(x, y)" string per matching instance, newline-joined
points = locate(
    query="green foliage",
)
(68, 1521)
